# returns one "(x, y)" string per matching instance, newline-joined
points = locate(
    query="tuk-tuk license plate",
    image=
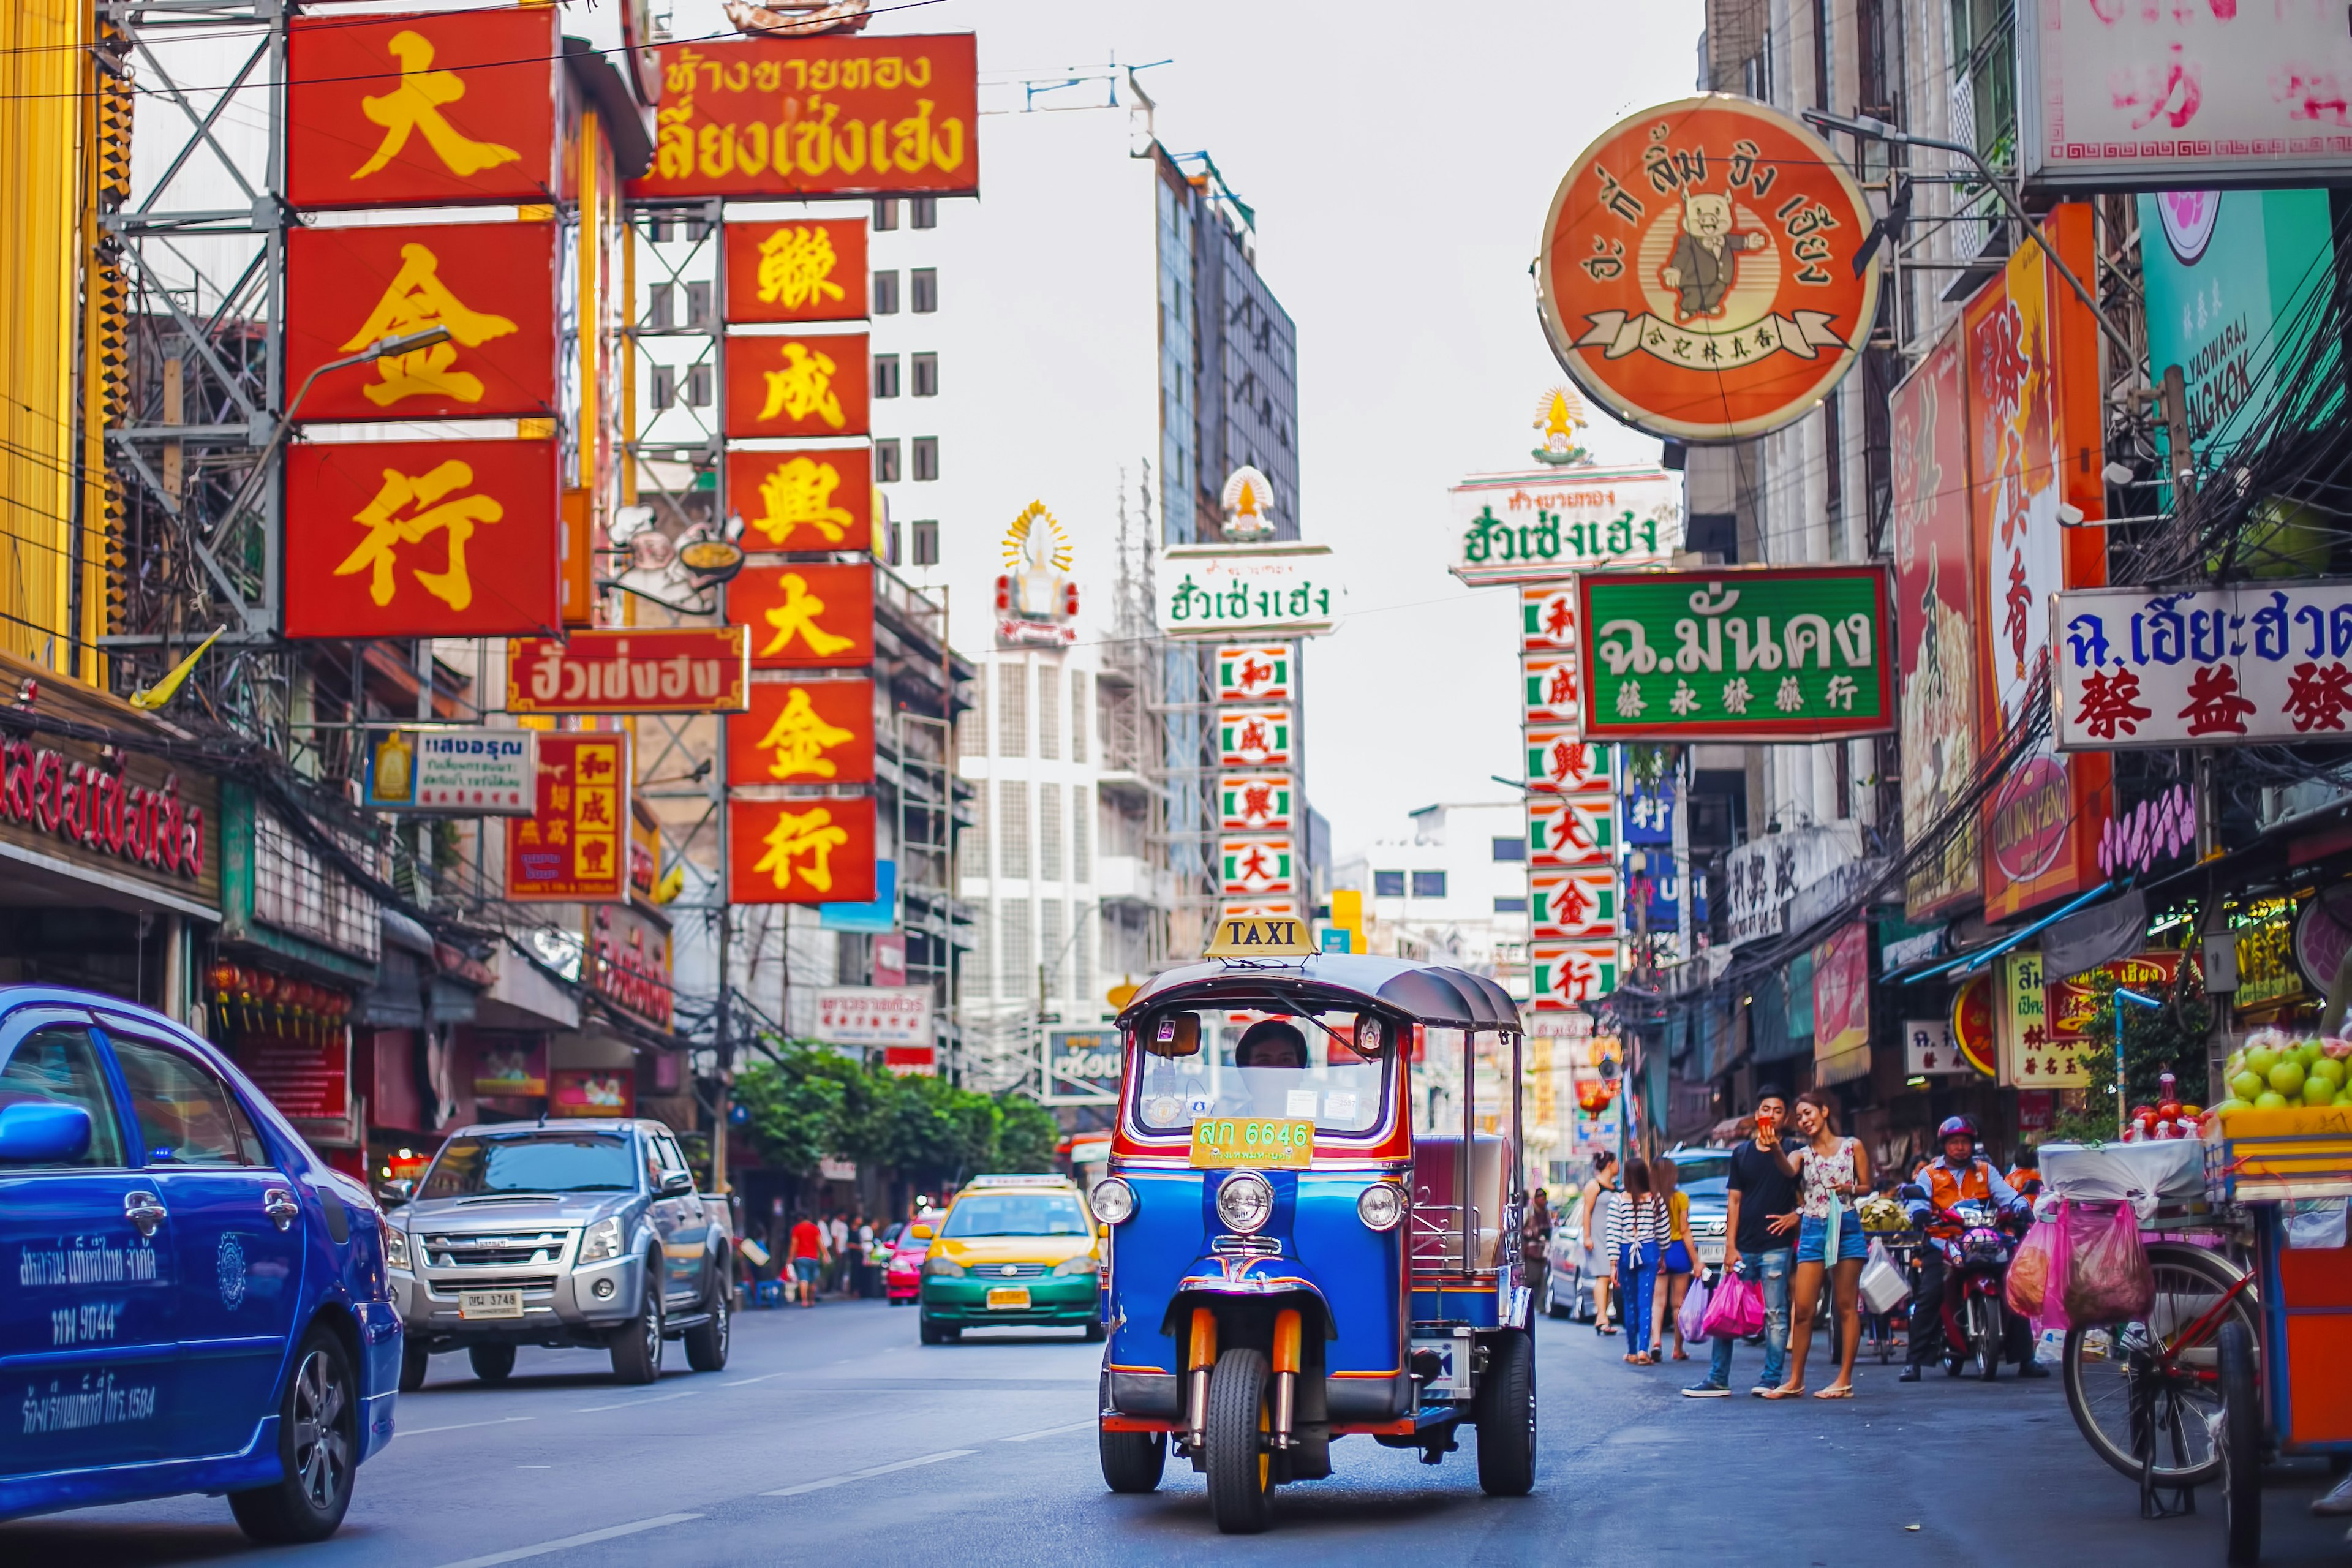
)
(1008, 1298)
(1280, 1142)
(473, 1305)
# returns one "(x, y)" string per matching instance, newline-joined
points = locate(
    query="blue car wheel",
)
(318, 1443)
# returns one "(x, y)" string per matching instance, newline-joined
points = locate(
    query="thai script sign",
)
(873, 1014)
(1698, 273)
(1736, 654)
(1227, 590)
(797, 270)
(655, 669)
(2250, 662)
(626, 961)
(471, 772)
(1524, 528)
(1930, 1050)
(805, 851)
(573, 845)
(94, 807)
(804, 731)
(2157, 96)
(829, 116)
(2031, 1057)
(1082, 1066)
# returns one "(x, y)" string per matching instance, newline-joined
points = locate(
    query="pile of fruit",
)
(2274, 1069)
(2168, 1118)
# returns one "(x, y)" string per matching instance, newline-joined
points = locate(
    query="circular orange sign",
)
(1697, 277)
(1972, 1023)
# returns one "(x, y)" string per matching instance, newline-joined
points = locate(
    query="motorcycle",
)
(1977, 1262)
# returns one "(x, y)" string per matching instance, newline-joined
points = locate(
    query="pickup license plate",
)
(1008, 1298)
(1280, 1142)
(474, 1304)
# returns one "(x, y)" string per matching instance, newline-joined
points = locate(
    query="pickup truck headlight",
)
(395, 1246)
(602, 1241)
(944, 1269)
(1084, 1265)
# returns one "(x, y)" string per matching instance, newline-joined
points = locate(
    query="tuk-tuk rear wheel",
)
(1506, 1414)
(1241, 1480)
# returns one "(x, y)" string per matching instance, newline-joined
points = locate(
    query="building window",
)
(886, 375)
(923, 212)
(971, 726)
(1077, 715)
(1081, 958)
(1013, 828)
(1049, 949)
(923, 284)
(927, 457)
(1510, 906)
(886, 461)
(927, 538)
(698, 304)
(1510, 849)
(975, 838)
(1388, 884)
(658, 312)
(1081, 855)
(665, 387)
(885, 293)
(886, 212)
(892, 558)
(1429, 884)
(926, 374)
(979, 969)
(1049, 713)
(1019, 976)
(1049, 832)
(1013, 710)
(697, 386)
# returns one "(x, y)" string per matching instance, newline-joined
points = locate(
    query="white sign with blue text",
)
(2203, 666)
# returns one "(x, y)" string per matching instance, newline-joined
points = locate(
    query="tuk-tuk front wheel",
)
(1241, 1469)
(1506, 1414)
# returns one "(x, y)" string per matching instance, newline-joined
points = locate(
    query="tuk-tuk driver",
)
(1269, 1043)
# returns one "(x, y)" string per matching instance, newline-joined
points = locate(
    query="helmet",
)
(1957, 1126)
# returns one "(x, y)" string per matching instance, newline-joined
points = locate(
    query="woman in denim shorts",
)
(1831, 1171)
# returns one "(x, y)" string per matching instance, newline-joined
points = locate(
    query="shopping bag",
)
(2061, 1242)
(1691, 1320)
(1885, 1286)
(2108, 1276)
(1734, 1310)
(2029, 1272)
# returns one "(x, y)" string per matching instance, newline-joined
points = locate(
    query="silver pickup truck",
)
(572, 1233)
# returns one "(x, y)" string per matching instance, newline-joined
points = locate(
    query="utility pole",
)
(724, 1101)
(2180, 462)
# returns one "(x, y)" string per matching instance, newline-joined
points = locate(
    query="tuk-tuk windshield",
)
(1331, 1067)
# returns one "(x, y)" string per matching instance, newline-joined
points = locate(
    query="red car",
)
(902, 1277)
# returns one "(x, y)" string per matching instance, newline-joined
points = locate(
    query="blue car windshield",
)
(539, 1161)
(1016, 1214)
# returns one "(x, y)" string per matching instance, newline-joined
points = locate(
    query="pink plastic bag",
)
(2029, 1272)
(1690, 1321)
(1734, 1310)
(2106, 1279)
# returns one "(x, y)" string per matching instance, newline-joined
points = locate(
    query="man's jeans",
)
(1771, 1269)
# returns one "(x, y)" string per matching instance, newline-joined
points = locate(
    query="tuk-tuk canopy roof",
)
(1425, 992)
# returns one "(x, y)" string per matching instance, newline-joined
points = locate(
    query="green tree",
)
(1028, 1136)
(2171, 1038)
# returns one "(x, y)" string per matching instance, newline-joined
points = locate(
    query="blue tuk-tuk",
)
(1313, 1209)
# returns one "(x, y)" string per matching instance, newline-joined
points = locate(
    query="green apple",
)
(2234, 1103)
(2270, 1099)
(2326, 1067)
(2318, 1091)
(2287, 1078)
(2246, 1084)
(2261, 1059)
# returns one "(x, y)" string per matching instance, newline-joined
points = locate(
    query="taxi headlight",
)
(1381, 1205)
(395, 1246)
(944, 1269)
(1084, 1265)
(1245, 1202)
(1112, 1201)
(602, 1241)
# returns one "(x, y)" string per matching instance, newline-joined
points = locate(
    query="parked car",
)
(902, 1278)
(583, 1232)
(198, 1302)
(1566, 1292)
(1705, 1174)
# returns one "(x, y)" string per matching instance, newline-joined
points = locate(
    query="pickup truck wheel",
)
(637, 1354)
(493, 1364)
(706, 1347)
(414, 1362)
(318, 1446)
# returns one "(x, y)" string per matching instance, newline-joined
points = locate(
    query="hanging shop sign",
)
(644, 670)
(1766, 873)
(510, 1065)
(1934, 582)
(873, 1014)
(803, 733)
(2155, 835)
(1254, 803)
(1254, 737)
(2031, 1056)
(1246, 590)
(421, 539)
(805, 615)
(840, 115)
(463, 772)
(2073, 1002)
(1928, 1051)
(440, 108)
(1561, 761)
(2263, 933)
(592, 1091)
(1036, 596)
(1082, 1066)
(801, 270)
(1973, 1023)
(111, 815)
(2323, 935)
(806, 850)
(1649, 812)
(2217, 666)
(1551, 690)
(1539, 527)
(1736, 654)
(1548, 619)
(491, 284)
(1570, 830)
(574, 848)
(1254, 674)
(806, 499)
(1578, 904)
(797, 384)
(625, 960)
(1251, 867)
(1842, 1005)
(1564, 977)
(2146, 97)
(1696, 274)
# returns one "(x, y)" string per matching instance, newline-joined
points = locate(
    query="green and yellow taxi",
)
(1015, 1249)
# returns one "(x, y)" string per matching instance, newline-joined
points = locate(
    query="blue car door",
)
(237, 1232)
(87, 1368)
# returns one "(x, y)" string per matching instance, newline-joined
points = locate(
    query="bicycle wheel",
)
(2189, 1281)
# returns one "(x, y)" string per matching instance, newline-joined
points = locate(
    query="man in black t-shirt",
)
(1760, 1242)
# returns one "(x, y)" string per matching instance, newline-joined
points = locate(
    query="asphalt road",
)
(833, 1437)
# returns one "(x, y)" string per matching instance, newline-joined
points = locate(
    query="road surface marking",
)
(747, 1382)
(459, 1426)
(587, 1538)
(1048, 1432)
(633, 1403)
(807, 1487)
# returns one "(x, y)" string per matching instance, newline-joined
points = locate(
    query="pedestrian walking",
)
(869, 1277)
(1596, 1258)
(1831, 1171)
(808, 1258)
(1633, 1232)
(838, 1232)
(1760, 1234)
(1676, 1256)
(1535, 1242)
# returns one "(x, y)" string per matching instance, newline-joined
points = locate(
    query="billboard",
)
(795, 385)
(873, 1014)
(1246, 590)
(2212, 667)
(805, 499)
(466, 773)
(1540, 526)
(806, 850)
(805, 617)
(1082, 1066)
(803, 733)
(644, 669)
(797, 270)
(574, 848)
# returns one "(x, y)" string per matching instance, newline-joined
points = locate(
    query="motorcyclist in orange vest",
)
(1959, 1176)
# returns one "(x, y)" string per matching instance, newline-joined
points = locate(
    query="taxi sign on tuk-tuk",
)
(1273, 1143)
(1241, 937)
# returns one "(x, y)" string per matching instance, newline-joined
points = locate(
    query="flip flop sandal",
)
(1682, 1355)
(1796, 1393)
(1836, 1390)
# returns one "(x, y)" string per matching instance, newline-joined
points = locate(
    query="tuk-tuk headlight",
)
(1245, 1202)
(1112, 1200)
(1381, 1205)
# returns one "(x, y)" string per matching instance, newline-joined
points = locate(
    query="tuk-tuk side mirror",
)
(922, 1232)
(1173, 1035)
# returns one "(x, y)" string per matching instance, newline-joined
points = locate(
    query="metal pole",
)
(723, 1101)
(2123, 1089)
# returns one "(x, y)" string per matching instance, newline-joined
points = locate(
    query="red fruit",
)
(2168, 1111)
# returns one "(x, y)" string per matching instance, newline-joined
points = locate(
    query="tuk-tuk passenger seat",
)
(1435, 1237)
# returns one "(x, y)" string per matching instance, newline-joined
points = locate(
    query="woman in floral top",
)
(1831, 1173)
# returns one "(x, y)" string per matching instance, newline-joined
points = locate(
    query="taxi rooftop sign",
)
(1280, 938)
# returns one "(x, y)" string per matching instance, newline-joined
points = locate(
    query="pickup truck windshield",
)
(1016, 1214)
(532, 1163)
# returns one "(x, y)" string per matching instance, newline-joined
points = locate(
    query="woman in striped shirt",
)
(1636, 1225)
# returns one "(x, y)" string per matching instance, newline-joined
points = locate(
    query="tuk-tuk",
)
(1313, 1208)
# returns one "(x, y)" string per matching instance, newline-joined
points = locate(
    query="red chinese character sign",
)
(1254, 803)
(1254, 674)
(1560, 762)
(421, 539)
(575, 847)
(805, 615)
(807, 850)
(803, 733)
(831, 116)
(1563, 976)
(798, 270)
(794, 385)
(423, 109)
(493, 285)
(809, 499)
(1696, 275)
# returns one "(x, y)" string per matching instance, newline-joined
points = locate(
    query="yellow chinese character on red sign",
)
(417, 298)
(377, 554)
(811, 833)
(796, 268)
(800, 738)
(797, 617)
(804, 386)
(415, 105)
(798, 493)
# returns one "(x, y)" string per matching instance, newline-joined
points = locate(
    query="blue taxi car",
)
(190, 1299)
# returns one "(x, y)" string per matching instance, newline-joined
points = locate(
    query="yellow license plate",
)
(1008, 1298)
(1280, 1142)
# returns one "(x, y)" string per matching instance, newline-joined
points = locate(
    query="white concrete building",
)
(1451, 887)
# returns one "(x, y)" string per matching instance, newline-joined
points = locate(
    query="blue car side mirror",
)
(43, 1133)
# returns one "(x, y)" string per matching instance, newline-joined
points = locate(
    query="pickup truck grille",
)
(469, 1251)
